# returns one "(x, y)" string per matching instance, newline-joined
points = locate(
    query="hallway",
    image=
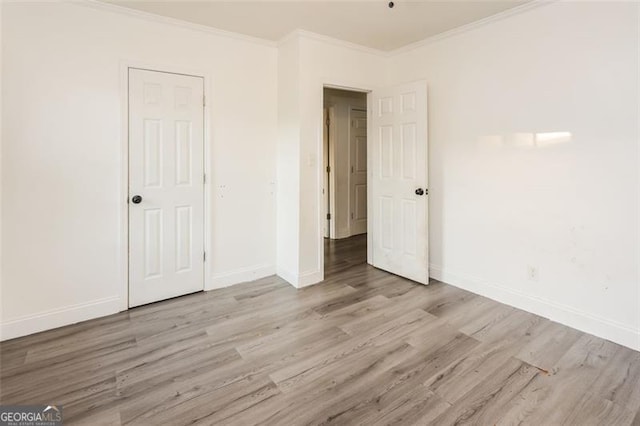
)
(342, 254)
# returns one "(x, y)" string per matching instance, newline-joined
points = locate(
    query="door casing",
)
(330, 182)
(353, 87)
(123, 219)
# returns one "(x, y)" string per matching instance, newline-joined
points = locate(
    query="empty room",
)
(319, 212)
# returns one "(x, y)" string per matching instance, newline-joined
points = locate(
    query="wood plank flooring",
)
(362, 348)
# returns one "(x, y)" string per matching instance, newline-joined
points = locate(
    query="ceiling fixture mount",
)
(391, 4)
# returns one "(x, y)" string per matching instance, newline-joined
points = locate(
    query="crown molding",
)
(292, 35)
(533, 4)
(331, 40)
(152, 17)
(530, 5)
(300, 33)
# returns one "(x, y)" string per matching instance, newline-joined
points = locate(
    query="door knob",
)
(419, 191)
(136, 199)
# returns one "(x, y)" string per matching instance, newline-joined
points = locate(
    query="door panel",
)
(358, 177)
(184, 238)
(153, 243)
(386, 152)
(386, 224)
(408, 154)
(184, 153)
(399, 162)
(166, 157)
(152, 161)
(361, 203)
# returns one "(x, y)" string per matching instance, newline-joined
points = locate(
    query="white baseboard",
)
(288, 276)
(240, 275)
(563, 314)
(343, 233)
(309, 278)
(304, 279)
(55, 318)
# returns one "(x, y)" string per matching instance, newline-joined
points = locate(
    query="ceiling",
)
(365, 22)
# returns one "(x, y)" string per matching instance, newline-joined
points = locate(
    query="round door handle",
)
(419, 191)
(136, 199)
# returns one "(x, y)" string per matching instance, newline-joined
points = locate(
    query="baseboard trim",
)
(304, 279)
(55, 318)
(563, 314)
(240, 275)
(288, 276)
(309, 278)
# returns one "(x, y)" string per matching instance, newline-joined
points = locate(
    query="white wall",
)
(62, 207)
(500, 203)
(322, 62)
(307, 62)
(288, 200)
(342, 101)
(1, 102)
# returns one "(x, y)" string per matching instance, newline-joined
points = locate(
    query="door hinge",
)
(351, 169)
(204, 178)
(328, 169)
(352, 215)
(328, 121)
(204, 256)
(328, 216)
(204, 101)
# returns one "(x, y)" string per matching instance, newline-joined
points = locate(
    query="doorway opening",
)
(345, 179)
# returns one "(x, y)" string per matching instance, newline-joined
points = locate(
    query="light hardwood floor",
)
(364, 347)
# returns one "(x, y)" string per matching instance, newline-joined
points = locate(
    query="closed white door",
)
(166, 185)
(398, 181)
(358, 177)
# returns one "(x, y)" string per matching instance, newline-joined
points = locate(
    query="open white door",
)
(166, 185)
(358, 177)
(398, 181)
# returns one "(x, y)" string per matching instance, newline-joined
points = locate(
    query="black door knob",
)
(419, 191)
(136, 199)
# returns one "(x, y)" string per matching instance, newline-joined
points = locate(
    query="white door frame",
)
(326, 182)
(353, 87)
(123, 218)
(331, 162)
